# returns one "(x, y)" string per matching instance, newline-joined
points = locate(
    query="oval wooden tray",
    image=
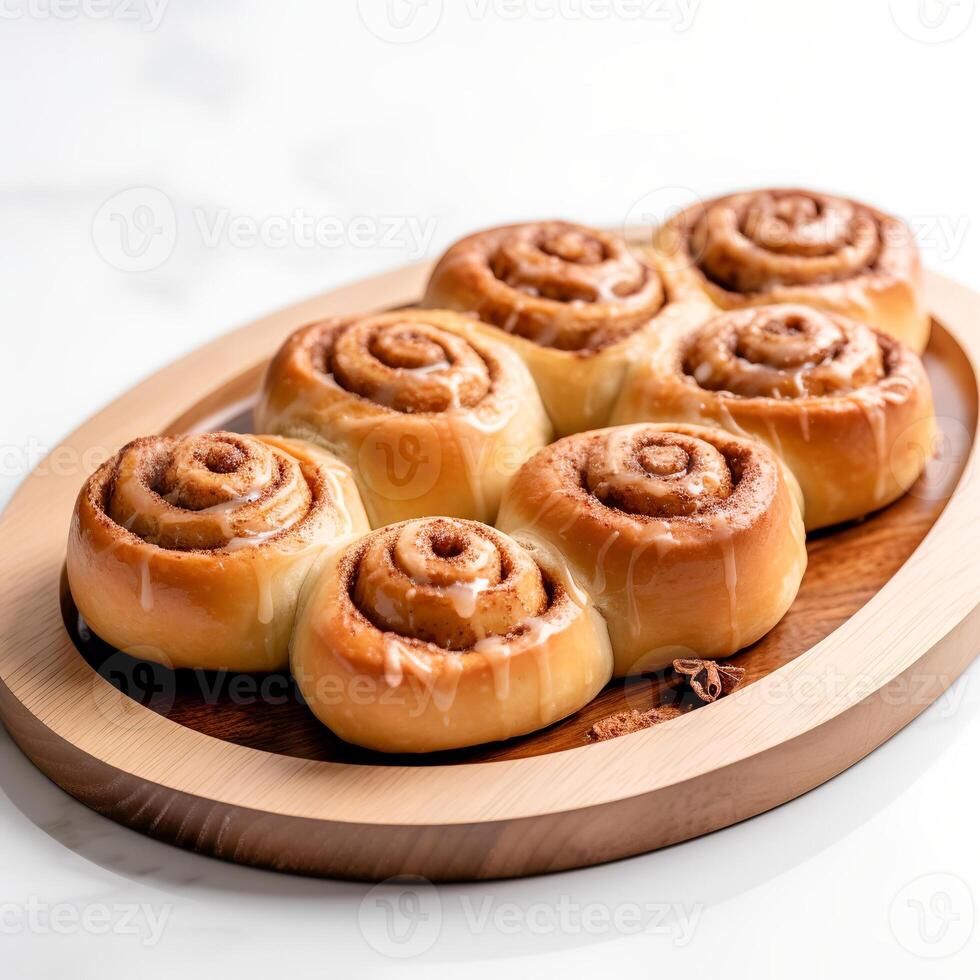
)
(888, 617)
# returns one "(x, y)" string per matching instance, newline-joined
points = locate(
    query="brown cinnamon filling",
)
(557, 284)
(752, 242)
(406, 365)
(565, 263)
(785, 351)
(654, 473)
(448, 582)
(206, 492)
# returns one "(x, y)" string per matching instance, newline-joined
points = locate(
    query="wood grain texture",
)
(885, 621)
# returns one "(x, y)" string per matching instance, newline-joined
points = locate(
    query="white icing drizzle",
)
(496, 651)
(874, 414)
(775, 441)
(546, 687)
(660, 537)
(731, 586)
(728, 420)
(464, 595)
(599, 579)
(726, 538)
(251, 540)
(446, 684)
(397, 655)
(896, 389)
(266, 605)
(632, 590)
(805, 422)
(146, 585)
(440, 669)
(336, 473)
(391, 652)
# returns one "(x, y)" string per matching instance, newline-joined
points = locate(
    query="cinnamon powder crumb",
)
(627, 722)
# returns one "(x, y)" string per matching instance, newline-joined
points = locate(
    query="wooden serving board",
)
(236, 766)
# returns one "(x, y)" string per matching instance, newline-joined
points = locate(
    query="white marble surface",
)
(299, 113)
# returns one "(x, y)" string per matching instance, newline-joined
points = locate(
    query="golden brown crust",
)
(576, 304)
(848, 408)
(439, 633)
(557, 284)
(796, 246)
(431, 416)
(784, 351)
(688, 539)
(191, 550)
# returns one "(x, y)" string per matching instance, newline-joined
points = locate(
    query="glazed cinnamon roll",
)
(848, 408)
(687, 538)
(796, 246)
(191, 550)
(441, 633)
(577, 305)
(431, 417)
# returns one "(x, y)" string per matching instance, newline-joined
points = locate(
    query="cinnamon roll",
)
(577, 305)
(431, 417)
(191, 550)
(796, 246)
(441, 633)
(687, 538)
(848, 408)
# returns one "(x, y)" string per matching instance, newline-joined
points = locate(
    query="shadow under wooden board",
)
(236, 766)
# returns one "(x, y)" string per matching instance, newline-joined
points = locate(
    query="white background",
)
(505, 110)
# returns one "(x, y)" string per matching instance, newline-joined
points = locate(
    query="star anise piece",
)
(708, 679)
(627, 722)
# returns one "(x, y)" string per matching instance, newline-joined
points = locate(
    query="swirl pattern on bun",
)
(431, 416)
(440, 633)
(848, 408)
(575, 303)
(191, 550)
(795, 246)
(687, 538)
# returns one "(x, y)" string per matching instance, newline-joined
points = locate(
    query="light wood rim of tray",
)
(924, 623)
